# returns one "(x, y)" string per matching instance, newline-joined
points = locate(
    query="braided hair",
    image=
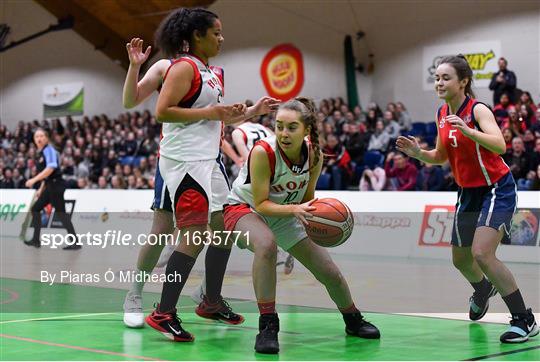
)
(308, 115)
(176, 31)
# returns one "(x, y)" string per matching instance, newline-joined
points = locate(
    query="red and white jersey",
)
(253, 132)
(195, 141)
(288, 182)
(472, 164)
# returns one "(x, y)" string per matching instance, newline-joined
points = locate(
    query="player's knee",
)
(330, 275)
(266, 249)
(482, 255)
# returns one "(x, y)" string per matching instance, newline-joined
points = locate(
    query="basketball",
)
(332, 223)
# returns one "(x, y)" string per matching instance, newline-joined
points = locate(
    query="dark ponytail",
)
(463, 70)
(308, 113)
(175, 32)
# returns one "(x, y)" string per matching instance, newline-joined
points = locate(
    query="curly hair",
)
(176, 31)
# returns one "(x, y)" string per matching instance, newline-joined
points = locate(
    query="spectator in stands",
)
(513, 122)
(359, 114)
(529, 141)
(404, 118)
(102, 183)
(7, 181)
(371, 120)
(503, 81)
(355, 141)
(431, 178)
(535, 155)
(508, 136)
(391, 126)
(131, 182)
(526, 99)
(117, 182)
(379, 139)
(518, 161)
(526, 116)
(401, 172)
(18, 179)
(337, 163)
(83, 184)
(501, 109)
(373, 180)
(535, 180)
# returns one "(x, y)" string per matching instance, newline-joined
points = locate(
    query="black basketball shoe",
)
(356, 325)
(521, 328)
(479, 303)
(169, 325)
(267, 339)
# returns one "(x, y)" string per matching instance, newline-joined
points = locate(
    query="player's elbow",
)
(501, 148)
(161, 114)
(129, 105)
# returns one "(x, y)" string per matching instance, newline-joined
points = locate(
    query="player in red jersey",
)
(469, 138)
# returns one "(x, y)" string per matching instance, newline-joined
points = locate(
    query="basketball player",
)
(190, 106)
(272, 214)
(469, 138)
(135, 92)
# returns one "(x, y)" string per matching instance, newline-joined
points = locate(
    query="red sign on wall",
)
(282, 72)
(437, 225)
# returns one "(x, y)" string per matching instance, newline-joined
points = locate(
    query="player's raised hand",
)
(302, 211)
(266, 105)
(408, 145)
(135, 52)
(459, 124)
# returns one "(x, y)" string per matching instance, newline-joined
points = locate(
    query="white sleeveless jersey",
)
(288, 183)
(253, 132)
(195, 141)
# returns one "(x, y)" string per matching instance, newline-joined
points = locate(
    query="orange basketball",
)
(332, 223)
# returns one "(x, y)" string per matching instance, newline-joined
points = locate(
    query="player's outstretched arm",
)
(135, 91)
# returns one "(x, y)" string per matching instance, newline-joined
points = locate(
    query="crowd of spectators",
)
(359, 148)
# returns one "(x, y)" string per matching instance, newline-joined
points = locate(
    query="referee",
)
(51, 190)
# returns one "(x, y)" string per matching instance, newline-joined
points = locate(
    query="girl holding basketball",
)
(469, 138)
(270, 201)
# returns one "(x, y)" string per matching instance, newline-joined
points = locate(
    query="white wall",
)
(251, 29)
(58, 57)
(399, 50)
(396, 33)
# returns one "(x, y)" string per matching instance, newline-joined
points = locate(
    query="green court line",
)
(307, 334)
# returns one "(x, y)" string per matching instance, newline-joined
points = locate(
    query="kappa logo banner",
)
(482, 57)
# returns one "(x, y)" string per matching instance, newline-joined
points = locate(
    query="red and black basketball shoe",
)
(168, 324)
(220, 311)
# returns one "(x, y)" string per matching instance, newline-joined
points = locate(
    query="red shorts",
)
(233, 213)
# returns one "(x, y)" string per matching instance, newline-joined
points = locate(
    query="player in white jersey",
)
(244, 138)
(247, 134)
(270, 201)
(190, 106)
(134, 93)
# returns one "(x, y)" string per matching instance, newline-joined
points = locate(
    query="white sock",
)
(137, 286)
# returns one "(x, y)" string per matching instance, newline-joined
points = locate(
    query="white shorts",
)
(197, 188)
(288, 231)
